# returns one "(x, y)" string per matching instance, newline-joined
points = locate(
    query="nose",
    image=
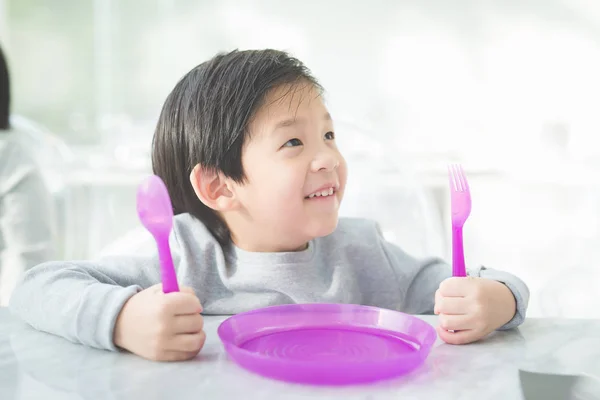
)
(326, 160)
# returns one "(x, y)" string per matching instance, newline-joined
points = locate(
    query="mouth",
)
(325, 191)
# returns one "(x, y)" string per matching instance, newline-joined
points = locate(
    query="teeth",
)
(323, 193)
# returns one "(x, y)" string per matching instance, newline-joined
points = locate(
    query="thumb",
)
(187, 289)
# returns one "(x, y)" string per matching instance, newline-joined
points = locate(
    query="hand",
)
(161, 327)
(471, 308)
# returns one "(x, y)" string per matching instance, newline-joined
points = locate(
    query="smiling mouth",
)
(322, 193)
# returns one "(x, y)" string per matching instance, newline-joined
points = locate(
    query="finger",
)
(461, 337)
(189, 290)
(452, 305)
(455, 287)
(455, 322)
(182, 303)
(191, 323)
(172, 356)
(187, 342)
(437, 302)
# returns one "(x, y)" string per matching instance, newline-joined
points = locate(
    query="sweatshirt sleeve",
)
(81, 300)
(424, 277)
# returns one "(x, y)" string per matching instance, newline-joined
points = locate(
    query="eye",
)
(293, 143)
(330, 136)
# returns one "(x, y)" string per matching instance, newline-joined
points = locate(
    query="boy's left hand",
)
(472, 308)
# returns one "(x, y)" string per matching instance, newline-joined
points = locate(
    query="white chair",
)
(130, 243)
(384, 188)
(571, 290)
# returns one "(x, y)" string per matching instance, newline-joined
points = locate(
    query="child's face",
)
(295, 174)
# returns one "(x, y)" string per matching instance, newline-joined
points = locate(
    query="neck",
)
(255, 245)
(246, 235)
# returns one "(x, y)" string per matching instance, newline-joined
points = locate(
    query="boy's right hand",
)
(161, 327)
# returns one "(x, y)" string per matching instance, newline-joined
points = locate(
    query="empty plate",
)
(327, 344)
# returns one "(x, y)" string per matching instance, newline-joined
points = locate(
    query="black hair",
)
(4, 94)
(205, 120)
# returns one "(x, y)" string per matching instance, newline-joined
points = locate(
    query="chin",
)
(324, 227)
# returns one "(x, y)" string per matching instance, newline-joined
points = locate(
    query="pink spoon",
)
(156, 214)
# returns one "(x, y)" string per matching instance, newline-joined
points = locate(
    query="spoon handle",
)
(167, 270)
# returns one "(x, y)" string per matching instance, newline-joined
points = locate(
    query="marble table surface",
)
(36, 365)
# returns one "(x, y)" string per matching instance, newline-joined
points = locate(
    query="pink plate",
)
(327, 344)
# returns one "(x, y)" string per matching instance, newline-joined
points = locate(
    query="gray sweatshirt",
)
(355, 264)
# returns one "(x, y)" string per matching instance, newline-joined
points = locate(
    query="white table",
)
(36, 365)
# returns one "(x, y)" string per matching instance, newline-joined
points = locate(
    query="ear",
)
(213, 189)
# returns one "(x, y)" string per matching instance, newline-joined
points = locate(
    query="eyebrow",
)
(293, 121)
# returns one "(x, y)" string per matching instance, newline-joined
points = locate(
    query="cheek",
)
(277, 189)
(344, 170)
(343, 173)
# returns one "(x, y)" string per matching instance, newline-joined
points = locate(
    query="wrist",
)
(507, 304)
(120, 325)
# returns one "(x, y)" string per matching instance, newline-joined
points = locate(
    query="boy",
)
(246, 148)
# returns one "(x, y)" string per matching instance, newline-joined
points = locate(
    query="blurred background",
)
(510, 89)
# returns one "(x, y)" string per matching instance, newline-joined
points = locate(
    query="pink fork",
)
(460, 205)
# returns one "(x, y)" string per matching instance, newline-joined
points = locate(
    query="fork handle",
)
(458, 253)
